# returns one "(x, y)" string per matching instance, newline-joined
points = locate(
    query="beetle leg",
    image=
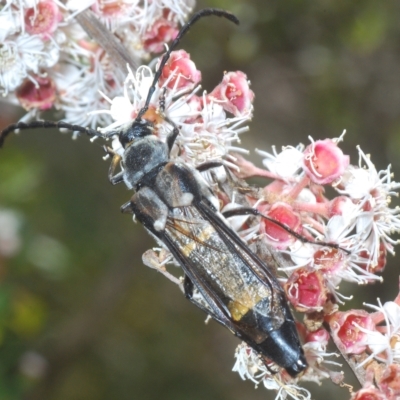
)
(117, 178)
(173, 135)
(116, 160)
(175, 131)
(126, 208)
(200, 302)
(209, 165)
(162, 101)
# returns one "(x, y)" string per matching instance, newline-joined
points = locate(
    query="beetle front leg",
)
(116, 160)
(209, 165)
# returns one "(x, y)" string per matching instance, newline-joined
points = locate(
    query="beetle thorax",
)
(142, 157)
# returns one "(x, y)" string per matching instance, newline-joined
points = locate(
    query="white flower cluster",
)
(359, 220)
(344, 237)
(47, 60)
(206, 133)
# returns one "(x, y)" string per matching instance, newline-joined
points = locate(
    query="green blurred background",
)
(80, 316)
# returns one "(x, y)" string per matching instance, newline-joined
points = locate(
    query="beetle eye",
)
(137, 129)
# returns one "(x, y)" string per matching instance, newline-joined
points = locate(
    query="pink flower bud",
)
(110, 8)
(340, 205)
(43, 19)
(41, 96)
(345, 328)
(161, 32)
(329, 260)
(320, 336)
(389, 382)
(234, 93)
(275, 234)
(180, 70)
(369, 393)
(306, 290)
(380, 264)
(324, 161)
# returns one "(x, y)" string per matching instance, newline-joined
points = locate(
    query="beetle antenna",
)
(46, 124)
(200, 14)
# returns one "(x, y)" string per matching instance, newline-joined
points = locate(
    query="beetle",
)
(223, 277)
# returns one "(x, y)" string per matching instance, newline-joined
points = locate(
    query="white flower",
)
(84, 89)
(249, 366)
(22, 56)
(133, 15)
(372, 218)
(10, 21)
(316, 355)
(213, 136)
(384, 342)
(151, 10)
(285, 164)
(124, 109)
(12, 70)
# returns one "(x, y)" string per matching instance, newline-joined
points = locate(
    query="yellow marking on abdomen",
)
(241, 306)
(204, 235)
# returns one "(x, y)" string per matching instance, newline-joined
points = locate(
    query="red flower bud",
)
(43, 19)
(180, 70)
(345, 327)
(234, 93)
(324, 161)
(306, 290)
(39, 96)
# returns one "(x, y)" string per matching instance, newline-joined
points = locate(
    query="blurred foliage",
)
(80, 316)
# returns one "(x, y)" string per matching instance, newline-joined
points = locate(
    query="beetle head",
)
(135, 130)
